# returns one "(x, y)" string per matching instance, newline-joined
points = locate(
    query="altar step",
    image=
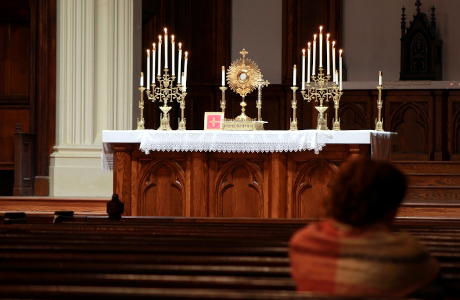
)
(433, 188)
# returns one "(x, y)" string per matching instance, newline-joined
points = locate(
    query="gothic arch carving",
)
(312, 181)
(161, 189)
(410, 121)
(239, 190)
(352, 116)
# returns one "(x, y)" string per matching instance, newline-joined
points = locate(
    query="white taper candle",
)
(223, 76)
(314, 56)
(333, 63)
(340, 68)
(320, 46)
(327, 54)
(173, 43)
(166, 48)
(380, 77)
(308, 63)
(153, 61)
(303, 69)
(148, 68)
(294, 71)
(142, 79)
(159, 55)
(179, 71)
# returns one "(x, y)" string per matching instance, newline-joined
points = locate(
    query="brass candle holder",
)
(141, 122)
(262, 83)
(320, 91)
(165, 92)
(379, 120)
(293, 121)
(222, 102)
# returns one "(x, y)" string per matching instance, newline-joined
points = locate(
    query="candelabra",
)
(165, 92)
(379, 120)
(294, 107)
(141, 122)
(320, 91)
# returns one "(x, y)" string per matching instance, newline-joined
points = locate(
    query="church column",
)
(94, 91)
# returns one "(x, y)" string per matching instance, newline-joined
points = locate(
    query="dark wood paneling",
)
(9, 116)
(19, 59)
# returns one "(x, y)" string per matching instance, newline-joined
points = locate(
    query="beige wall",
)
(257, 27)
(372, 31)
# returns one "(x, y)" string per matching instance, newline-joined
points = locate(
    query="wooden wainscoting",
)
(86, 206)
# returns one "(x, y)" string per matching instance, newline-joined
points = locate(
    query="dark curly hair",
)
(365, 191)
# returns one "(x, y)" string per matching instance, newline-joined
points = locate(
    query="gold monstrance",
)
(243, 77)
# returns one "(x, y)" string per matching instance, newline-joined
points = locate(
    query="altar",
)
(258, 174)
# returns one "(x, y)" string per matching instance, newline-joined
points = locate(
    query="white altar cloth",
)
(234, 141)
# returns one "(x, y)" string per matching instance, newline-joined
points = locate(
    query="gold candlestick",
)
(182, 110)
(261, 84)
(141, 122)
(294, 107)
(336, 98)
(379, 120)
(222, 102)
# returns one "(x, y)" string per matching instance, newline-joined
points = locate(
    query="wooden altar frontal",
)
(232, 179)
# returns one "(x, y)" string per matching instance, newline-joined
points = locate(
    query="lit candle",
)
(179, 79)
(148, 68)
(380, 77)
(320, 46)
(333, 63)
(340, 68)
(223, 76)
(308, 63)
(327, 54)
(172, 56)
(184, 78)
(184, 82)
(303, 69)
(166, 48)
(159, 55)
(153, 62)
(294, 70)
(314, 56)
(142, 78)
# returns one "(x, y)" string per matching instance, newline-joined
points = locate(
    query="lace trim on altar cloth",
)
(231, 141)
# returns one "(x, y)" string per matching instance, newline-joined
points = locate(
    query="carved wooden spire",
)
(418, 4)
(403, 22)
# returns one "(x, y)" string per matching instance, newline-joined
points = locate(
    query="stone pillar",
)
(94, 91)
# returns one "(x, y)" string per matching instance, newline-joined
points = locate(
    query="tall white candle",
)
(380, 77)
(179, 73)
(159, 55)
(185, 68)
(153, 61)
(294, 70)
(327, 54)
(340, 68)
(142, 78)
(223, 76)
(303, 69)
(333, 63)
(314, 56)
(148, 68)
(172, 55)
(320, 46)
(308, 63)
(337, 77)
(184, 82)
(166, 48)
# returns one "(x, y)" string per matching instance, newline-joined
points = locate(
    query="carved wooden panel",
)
(9, 116)
(237, 186)
(161, 189)
(310, 188)
(356, 110)
(409, 113)
(454, 125)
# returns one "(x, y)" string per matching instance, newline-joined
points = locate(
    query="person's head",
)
(366, 192)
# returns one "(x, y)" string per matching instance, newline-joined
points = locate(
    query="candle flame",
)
(186, 54)
(166, 30)
(180, 46)
(314, 37)
(320, 29)
(154, 46)
(340, 52)
(148, 52)
(159, 37)
(172, 39)
(303, 52)
(309, 44)
(333, 43)
(327, 36)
